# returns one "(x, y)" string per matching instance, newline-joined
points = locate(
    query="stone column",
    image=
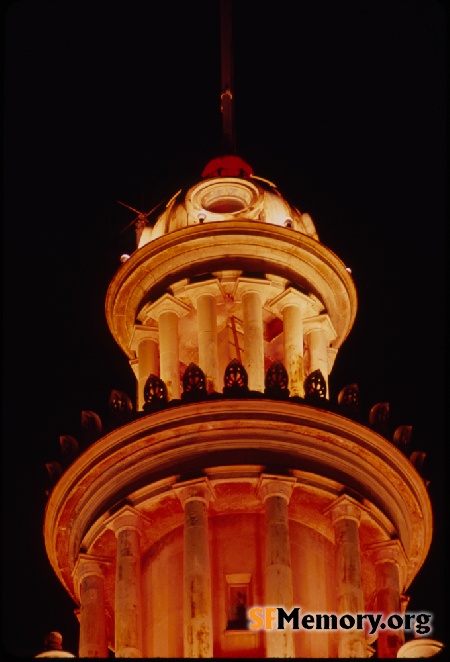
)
(292, 305)
(253, 340)
(253, 293)
(145, 344)
(276, 492)
(167, 311)
(390, 567)
(293, 348)
(345, 515)
(319, 332)
(169, 353)
(89, 576)
(203, 296)
(128, 602)
(198, 629)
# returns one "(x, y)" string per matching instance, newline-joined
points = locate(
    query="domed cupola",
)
(229, 191)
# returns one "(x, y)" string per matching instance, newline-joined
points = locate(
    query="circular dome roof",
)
(228, 191)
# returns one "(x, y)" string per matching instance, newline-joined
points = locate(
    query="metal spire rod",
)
(226, 96)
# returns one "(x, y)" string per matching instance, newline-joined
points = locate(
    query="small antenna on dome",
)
(226, 95)
(140, 220)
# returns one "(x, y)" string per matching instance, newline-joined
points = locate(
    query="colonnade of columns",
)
(90, 573)
(389, 560)
(195, 496)
(302, 326)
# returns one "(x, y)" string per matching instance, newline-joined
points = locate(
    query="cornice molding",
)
(229, 245)
(300, 436)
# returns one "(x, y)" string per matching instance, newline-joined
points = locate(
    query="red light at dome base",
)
(227, 166)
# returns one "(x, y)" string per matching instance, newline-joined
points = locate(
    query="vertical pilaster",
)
(128, 601)
(345, 515)
(293, 348)
(275, 492)
(390, 565)
(253, 294)
(292, 306)
(198, 633)
(253, 340)
(169, 352)
(319, 332)
(167, 311)
(145, 344)
(89, 576)
(207, 339)
(203, 296)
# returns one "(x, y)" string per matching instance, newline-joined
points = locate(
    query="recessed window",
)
(238, 601)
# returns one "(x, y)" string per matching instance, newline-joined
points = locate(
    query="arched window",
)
(276, 382)
(155, 393)
(235, 380)
(315, 386)
(120, 402)
(194, 383)
(379, 418)
(349, 400)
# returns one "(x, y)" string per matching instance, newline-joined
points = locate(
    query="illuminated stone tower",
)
(235, 479)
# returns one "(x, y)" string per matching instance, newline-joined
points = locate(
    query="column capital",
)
(264, 288)
(177, 289)
(198, 489)
(391, 551)
(142, 332)
(321, 322)
(165, 304)
(388, 551)
(273, 485)
(89, 564)
(209, 287)
(292, 297)
(344, 507)
(125, 518)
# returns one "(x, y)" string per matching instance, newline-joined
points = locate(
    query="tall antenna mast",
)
(226, 96)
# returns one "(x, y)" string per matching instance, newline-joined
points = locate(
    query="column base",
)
(128, 652)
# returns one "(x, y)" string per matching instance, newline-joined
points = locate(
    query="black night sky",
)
(340, 102)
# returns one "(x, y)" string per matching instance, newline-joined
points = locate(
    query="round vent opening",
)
(225, 205)
(226, 198)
